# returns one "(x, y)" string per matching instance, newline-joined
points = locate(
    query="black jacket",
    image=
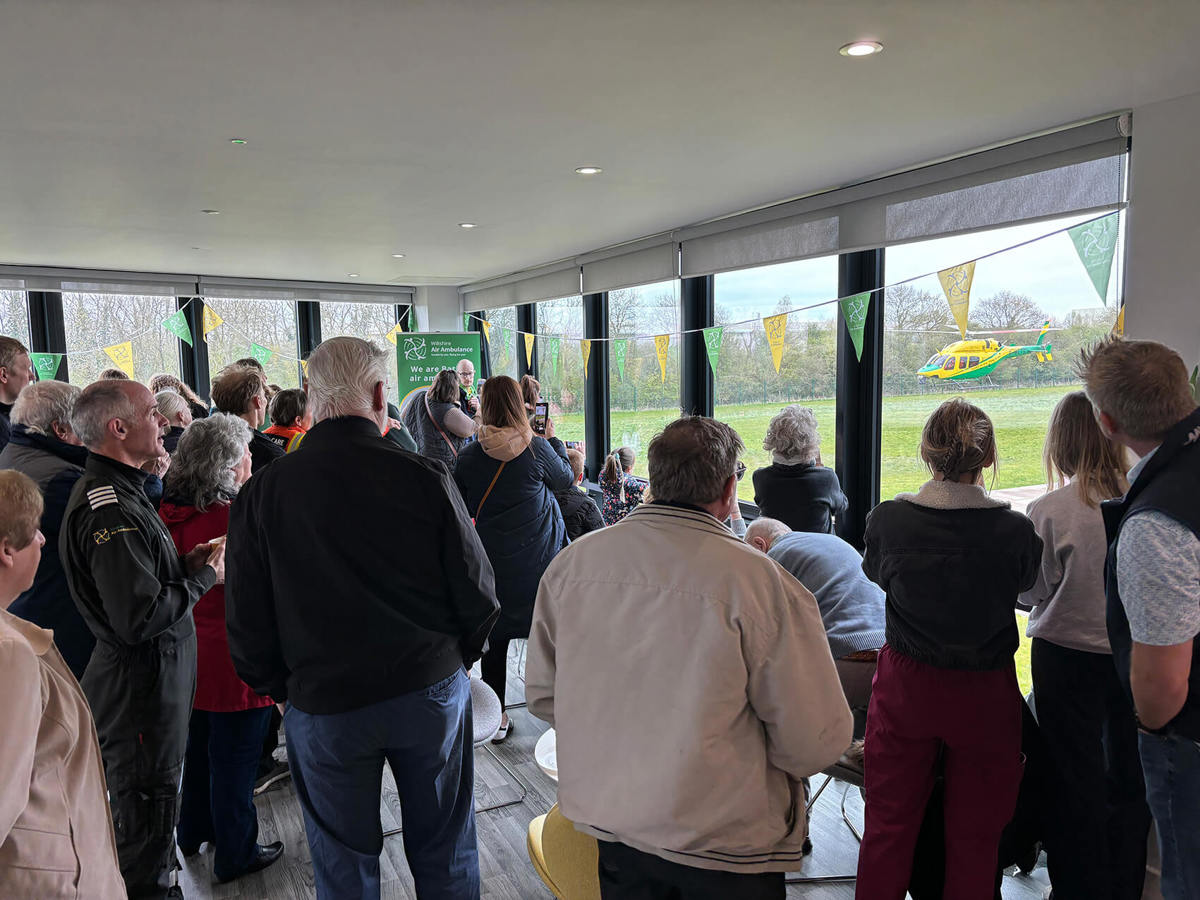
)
(55, 466)
(5, 425)
(171, 438)
(353, 573)
(263, 451)
(579, 511)
(804, 497)
(1169, 484)
(952, 562)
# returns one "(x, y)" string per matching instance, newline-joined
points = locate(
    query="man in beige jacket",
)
(691, 686)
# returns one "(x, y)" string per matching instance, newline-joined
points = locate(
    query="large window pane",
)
(502, 348)
(1013, 293)
(369, 321)
(644, 399)
(749, 392)
(96, 321)
(269, 323)
(14, 316)
(561, 375)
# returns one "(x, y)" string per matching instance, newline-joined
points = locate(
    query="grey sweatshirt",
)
(1068, 598)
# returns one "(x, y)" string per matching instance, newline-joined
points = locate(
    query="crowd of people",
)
(698, 670)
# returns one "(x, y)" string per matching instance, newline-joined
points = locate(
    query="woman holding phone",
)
(508, 478)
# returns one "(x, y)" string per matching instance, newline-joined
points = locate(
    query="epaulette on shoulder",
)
(104, 495)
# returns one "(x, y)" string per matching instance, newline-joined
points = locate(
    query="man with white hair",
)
(136, 594)
(690, 684)
(16, 371)
(371, 656)
(852, 606)
(44, 447)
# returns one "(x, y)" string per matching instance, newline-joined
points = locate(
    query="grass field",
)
(1020, 416)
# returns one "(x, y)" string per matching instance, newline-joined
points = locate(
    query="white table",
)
(545, 753)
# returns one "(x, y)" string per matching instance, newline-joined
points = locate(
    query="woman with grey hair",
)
(175, 409)
(229, 721)
(796, 488)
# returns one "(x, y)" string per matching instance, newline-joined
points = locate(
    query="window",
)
(502, 346)
(643, 399)
(268, 323)
(369, 321)
(14, 316)
(1012, 294)
(749, 392)
(93, 321)
(561, 374)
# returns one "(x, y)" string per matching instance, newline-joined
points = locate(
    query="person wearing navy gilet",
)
(1143, 400)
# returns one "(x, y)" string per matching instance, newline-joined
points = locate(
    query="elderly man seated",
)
(690, 684)
(851, 604)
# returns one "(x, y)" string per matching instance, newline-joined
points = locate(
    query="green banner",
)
(46, 365)
(552, 347)
(854, 311)
(712, 343)
(620, 349)
(419, 357)
(1096, 244)
(261, 353)
(177, 324)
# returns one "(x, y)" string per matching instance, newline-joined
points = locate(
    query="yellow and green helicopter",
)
(964, 360)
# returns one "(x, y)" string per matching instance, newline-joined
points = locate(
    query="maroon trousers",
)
(916, 712)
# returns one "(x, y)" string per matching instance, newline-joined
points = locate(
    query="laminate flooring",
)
(506, 872)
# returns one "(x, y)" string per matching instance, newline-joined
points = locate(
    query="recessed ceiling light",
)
(211, 212)
(397, 256)
(466, 224)
(351, 274)
(238, 141)
(861, 48)
(588, 170)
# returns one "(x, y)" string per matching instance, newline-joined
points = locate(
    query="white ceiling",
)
(375, 126)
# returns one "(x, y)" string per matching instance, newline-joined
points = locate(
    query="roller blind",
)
(757, 245)
(548, 283)
(647, 265)
(85, 281)
(303, 290)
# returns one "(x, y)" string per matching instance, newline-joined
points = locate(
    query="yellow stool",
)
(565, 859)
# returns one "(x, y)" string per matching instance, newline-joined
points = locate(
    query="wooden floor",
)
(504, 864)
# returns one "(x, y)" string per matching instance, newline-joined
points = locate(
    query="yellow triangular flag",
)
(529, 339)
(122, 356)
(661, 343)
(209, 320)
(776, 327)
(391, 335)
(585, 347)
(304, 366)
(956, 283)
(487, 330)
(1119, 326)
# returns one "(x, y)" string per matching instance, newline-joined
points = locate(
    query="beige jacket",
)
(691, 686)
(56, 832)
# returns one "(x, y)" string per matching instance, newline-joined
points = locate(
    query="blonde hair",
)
(20, 508)
(1076, 448)
(958, 438)
(500, 404)
(575, 458)
(1142, 385)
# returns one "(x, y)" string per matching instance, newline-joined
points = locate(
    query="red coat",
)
(218, 688)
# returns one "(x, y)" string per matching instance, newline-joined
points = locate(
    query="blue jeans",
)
(1171, 764)
(217, 802)
(337, 769)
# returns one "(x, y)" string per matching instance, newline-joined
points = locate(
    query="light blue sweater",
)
(851, 604)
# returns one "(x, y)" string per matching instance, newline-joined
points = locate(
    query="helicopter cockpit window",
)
(974, 361)
(949, 365)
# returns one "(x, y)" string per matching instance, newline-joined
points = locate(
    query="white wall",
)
(439, 308)
(1163, 279)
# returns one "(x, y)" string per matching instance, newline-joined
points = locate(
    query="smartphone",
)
(541, 412)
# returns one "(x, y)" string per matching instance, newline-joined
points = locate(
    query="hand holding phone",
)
(541, 414)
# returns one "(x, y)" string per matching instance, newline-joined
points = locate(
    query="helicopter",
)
(964, 360)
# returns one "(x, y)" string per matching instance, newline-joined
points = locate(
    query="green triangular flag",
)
(177, 324)
(46, 365)
(466, 321)
(411, 326)
(712, 343)
(854, 311)
(261, 353)
(1096, 244)
(620, 349)
(552, 346)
